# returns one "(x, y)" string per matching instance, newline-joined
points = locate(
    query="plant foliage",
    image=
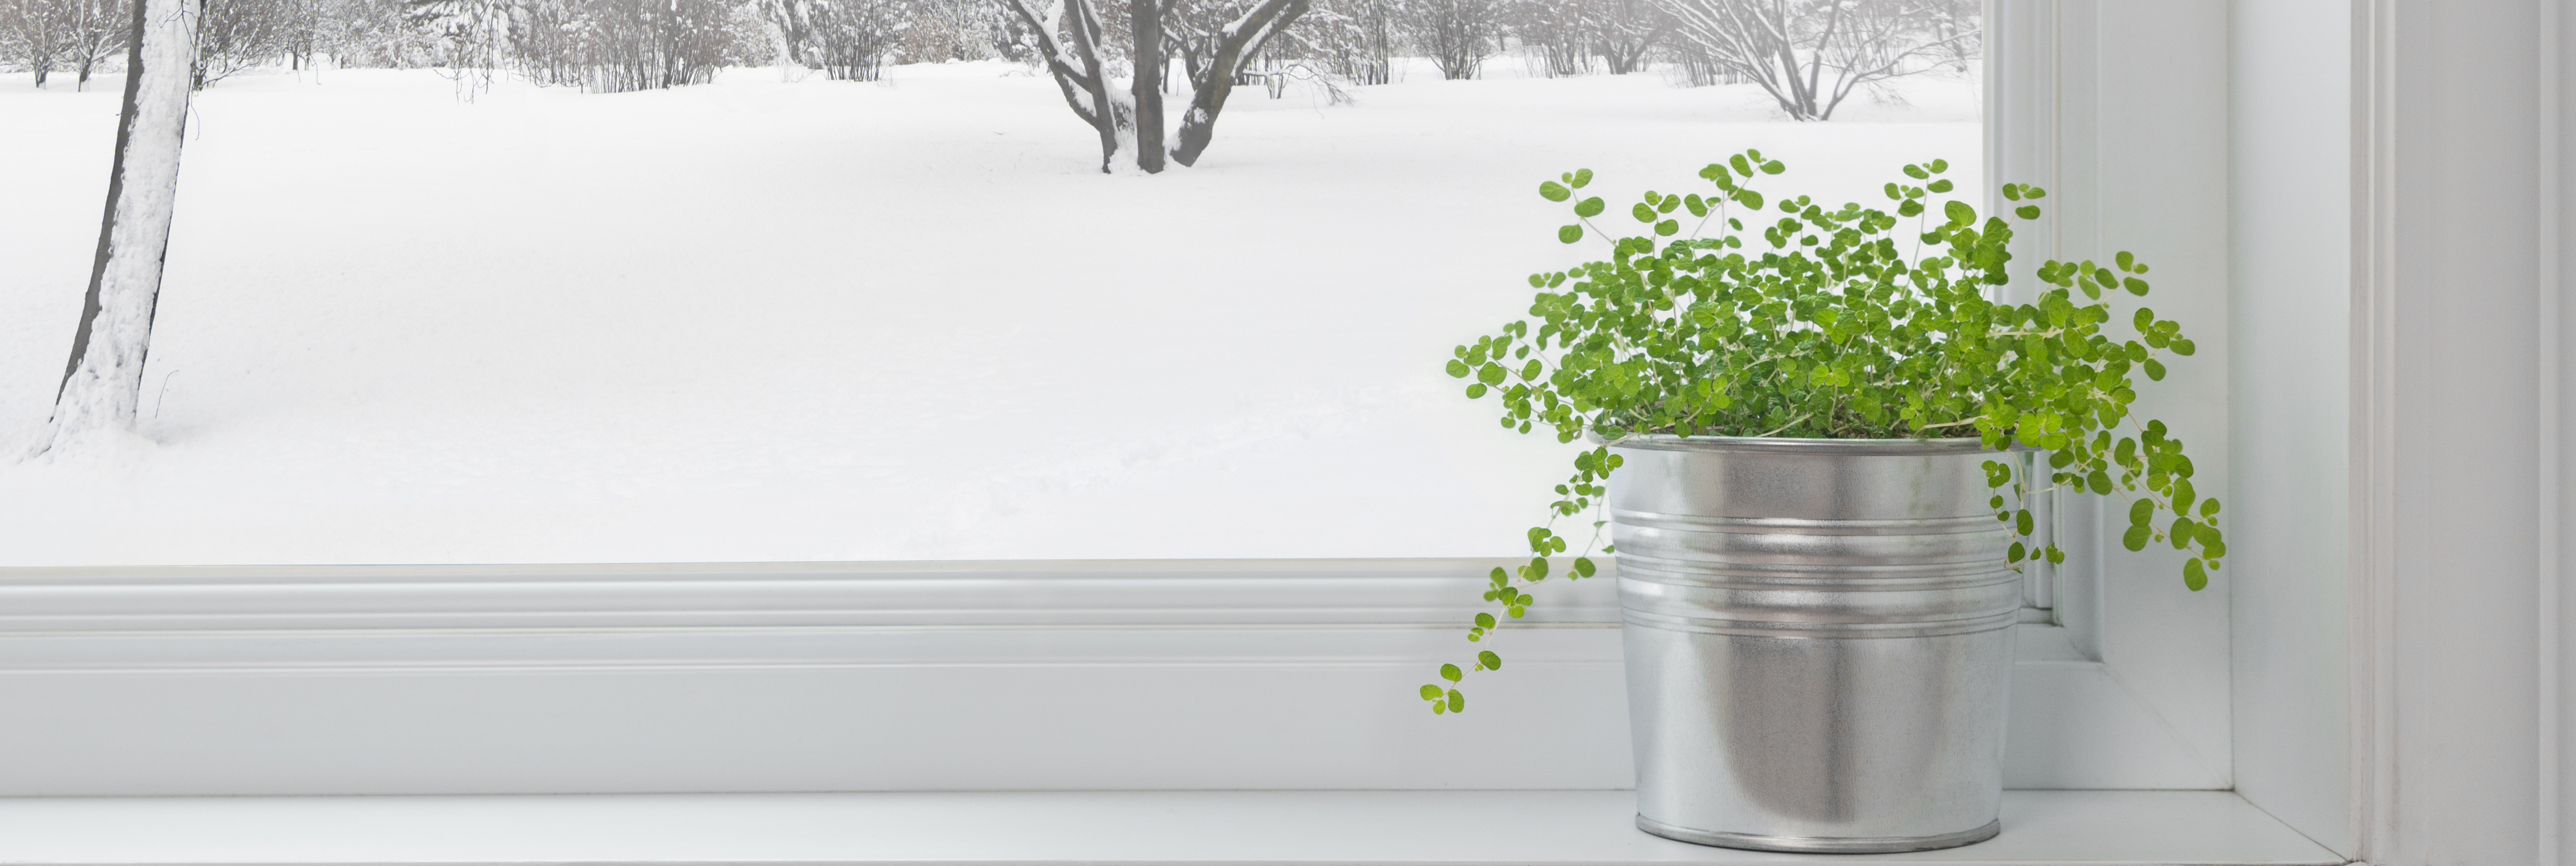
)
(1734, 314)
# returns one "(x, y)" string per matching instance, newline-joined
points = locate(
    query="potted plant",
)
(1815, 437)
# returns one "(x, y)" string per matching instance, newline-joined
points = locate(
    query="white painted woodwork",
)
(2290, 229)
(2119, 110)
(1156, 674)
(2457, 464)
(1269, 827)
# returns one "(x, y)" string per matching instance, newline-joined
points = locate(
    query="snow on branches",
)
(1072, 42)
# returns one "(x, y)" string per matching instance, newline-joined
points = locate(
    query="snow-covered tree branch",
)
(1070, 41)
(1228, 52)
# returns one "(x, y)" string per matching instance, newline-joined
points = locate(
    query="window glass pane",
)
(435, 292)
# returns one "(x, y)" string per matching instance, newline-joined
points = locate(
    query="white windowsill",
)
(1270, 827)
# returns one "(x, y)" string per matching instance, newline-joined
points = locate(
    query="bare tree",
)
(98, 33)
(602, 46)
(847, 39)
(103, 381)
(1557, 32)
(1625, 32)
(301, 30)
(1072, 40)
(240, 34)
(378, 33)
(1355, 39)
(472, 39)
(37, 33)
(1956, 24)
(628, 45)
(944, 30)
(1811, 54)
(1457, 34)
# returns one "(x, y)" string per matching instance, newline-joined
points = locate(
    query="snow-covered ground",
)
(812, 320)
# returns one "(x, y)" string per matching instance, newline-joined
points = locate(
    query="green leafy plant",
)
(1733, 314)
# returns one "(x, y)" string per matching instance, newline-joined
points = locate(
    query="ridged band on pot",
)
(1819, 640)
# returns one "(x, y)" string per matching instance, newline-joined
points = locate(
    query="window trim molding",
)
(1183, 674)
(1230, 674)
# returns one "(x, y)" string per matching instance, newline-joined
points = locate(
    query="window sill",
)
(1171, 675)
(1271, 827)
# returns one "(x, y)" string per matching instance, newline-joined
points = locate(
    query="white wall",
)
(2124, 120)
(2453, 755)
(2290, 237)
(2159, 140)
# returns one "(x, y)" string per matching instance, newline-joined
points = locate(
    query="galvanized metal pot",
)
(1819, 638)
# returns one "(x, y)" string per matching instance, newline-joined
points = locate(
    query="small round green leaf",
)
(1582, 176)
(1491, 661)
(2182, 531)
(1433, 692)
(1569, 234)
(1452, 673)
(1590, 207)
(2193, 576)
(1553, 191)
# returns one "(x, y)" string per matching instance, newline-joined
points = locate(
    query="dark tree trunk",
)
(1232, 49)
(1104, 116)
(1076, 66)
(1145, 18)
(103, 381)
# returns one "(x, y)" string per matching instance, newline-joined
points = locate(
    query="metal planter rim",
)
(1783, 445)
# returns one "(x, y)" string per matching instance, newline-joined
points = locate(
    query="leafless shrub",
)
(1352, 39)
(1810, 55)
(847, 39)
(1556, 34)
(1625, 32)
(235, 35)
(1456, 34)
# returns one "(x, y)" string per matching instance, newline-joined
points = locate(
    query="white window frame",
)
(898, 676)
(2386, 673)
(886, 676)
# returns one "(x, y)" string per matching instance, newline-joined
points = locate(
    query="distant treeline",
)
(1809, 54)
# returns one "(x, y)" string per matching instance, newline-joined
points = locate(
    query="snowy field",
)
(812, 320)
